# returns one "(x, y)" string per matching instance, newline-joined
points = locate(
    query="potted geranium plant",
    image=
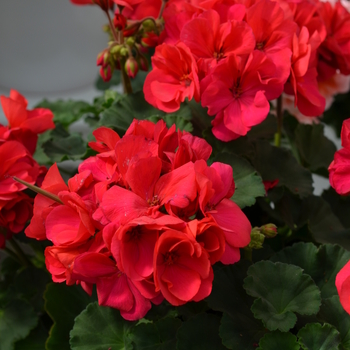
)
(190, 221)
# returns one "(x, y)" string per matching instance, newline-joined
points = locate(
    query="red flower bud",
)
(130, 31)
(119, 21)
(150, 40)
(131, 67)
(269, 230)
(106, 73)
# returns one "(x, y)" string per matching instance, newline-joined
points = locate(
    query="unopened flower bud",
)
(150, 40)
(131, 67)
(130, 41)
(148, 25)
(269, 230)
(119, 21)
(130, 31)
(124, 51)
(115, 49)
(143, 63)
(106, 73)
(256, 239)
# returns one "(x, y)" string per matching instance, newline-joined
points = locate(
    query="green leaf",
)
(62, 145)
(65, 112)
(239, 329)
(160, 335)
(281, 290)
(124, 110)
(278, 341)
(100, 328)
(247, 182)
(333, 313)
(17, 319)
(200, 332)
(315, 149)
(277, 163)
(63, 303)
(30, 284)
(340, 205)
(322, 264)
(35, 341)
(314, 336)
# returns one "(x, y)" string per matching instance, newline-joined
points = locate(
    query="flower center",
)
(259, 46)
(155, 201)
(170, 258)
(218, 55)
(185, 80)
(236, 88)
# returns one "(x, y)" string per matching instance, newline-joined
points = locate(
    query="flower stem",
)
(248, 253)
(19, 253)
(114, 33)
(162, 9)
(279, 112)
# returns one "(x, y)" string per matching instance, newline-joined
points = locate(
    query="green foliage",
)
(17, 319)
(281, 291)
(100, 328)
(278, 340)
(200, 332)
(333, 313)
(322, 263)
(314, 336)
(63, 304)
(248, 183)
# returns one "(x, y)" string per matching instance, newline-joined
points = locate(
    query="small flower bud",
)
(115, 49)
(256, 239)
(131, 67)
(148, 25)
(269, 230)
(124, 51)
(106, 73)
(150, 40)
(130, 41)
(119, 21)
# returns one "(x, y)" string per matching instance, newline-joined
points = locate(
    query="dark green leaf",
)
(200, 332)
(35, 341)
(65, 112)
(315, 149)
(62, 145)
(247, 182)
(340, 206)
(333, 313)
(160, 335)
(277, 163)
(281, 290)
(322, 264)
(63, 303)
(239, 329)
(314, 336)
(17, 319)
(30, 285)
(278, 341)
(100, 328)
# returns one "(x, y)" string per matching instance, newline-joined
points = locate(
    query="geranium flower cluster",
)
(236, 56)
(18, 141)
(145, 219)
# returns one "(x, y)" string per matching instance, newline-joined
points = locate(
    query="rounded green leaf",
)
(322, 264)
(160, 335)
(281, 290)
(333, 313)
(100, 328)
(200, 332)
(63, 303)
(314, 336)
(17, 319)
(248, 183)
(278, 341)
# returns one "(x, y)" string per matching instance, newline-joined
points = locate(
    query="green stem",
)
(111, 25)
(279, 113)
(19, 252)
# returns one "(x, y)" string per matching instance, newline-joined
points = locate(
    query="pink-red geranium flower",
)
(342, 282)
(174, 77)
(235, 93)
